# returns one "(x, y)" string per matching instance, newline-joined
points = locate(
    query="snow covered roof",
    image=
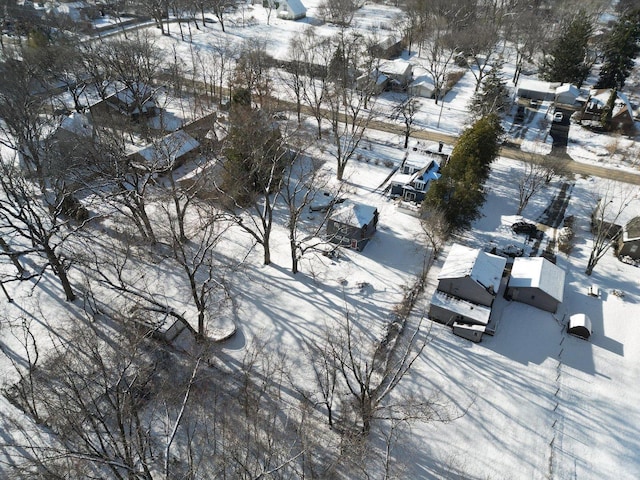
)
(568, 88)
(354, 214)
(580, 324)
(395, 67)
(599, 97)
(477, 313)
(78, 123)
(484, 268)
(619, 210)
(537, 85)
(170, 147)
(631, 231)
(538, 272)
(296, 8)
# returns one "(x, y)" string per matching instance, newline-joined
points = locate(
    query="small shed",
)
(580, 325)
(352, 224)
(537, 282)
(567, 94)
(422, 86)
(291, 9)
(470, 332)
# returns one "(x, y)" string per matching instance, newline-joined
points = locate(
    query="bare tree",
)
(406, 113)
(257, 159)
(38, 221)
(340, 12)
(367, 375)
(435, 227)
(533, 179)
(613, 199)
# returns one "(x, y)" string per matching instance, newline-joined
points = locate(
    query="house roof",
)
(296, 7)
(353, 214)
(619, 210)
(538, 272)
(537, 85)
(631, 231)
(482, 267)
(78, 123)
(568, 88)
(170, 147)
(395, 67)
(478, 313)
(599, 97)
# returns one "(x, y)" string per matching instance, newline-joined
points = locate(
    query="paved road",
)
(514, 152)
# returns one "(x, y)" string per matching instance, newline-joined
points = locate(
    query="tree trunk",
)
(60, 272)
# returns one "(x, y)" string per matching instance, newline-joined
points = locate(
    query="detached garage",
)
(537, 282)
(580, 325)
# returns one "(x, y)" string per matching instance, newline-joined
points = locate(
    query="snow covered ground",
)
(539, 403)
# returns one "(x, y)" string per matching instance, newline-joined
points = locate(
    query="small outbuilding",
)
(352, 224)
(580, 325)
(170, 151)
(537, 89)
(291, 10)
(537, 282)
(567, 94)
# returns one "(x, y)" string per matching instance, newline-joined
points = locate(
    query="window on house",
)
(419, 185)
(633, 249)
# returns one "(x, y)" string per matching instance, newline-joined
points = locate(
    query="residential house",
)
(613, 213)
(414, 176)
(537, 282)
(621, 114)
(398, 71)
(448, 309)
(537, 89)
(471, 274)
(629, 241)
(352, 224)
(168, 152)
(134, 101)
(387, 47)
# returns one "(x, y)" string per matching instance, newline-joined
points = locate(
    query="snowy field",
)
(537, 402)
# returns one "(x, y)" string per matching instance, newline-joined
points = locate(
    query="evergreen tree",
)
(459, 192)
(492, 98)
(607, 111)
(566, 61)
(620, 49)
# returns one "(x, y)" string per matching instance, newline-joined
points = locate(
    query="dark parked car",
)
(525, 227)
(324, 201)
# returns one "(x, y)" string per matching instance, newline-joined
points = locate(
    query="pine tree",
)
(566, 61)
(459, 192)
(493, 97)
(620, 50)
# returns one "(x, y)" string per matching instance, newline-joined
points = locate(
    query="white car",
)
(557, 117)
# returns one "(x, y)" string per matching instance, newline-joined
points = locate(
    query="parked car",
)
(520, 113)
(324, 201)
(534, 103)
(557, 117)
(511, 251)
(525, 228)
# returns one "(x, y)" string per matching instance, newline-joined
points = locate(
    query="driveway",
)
(560, 133)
